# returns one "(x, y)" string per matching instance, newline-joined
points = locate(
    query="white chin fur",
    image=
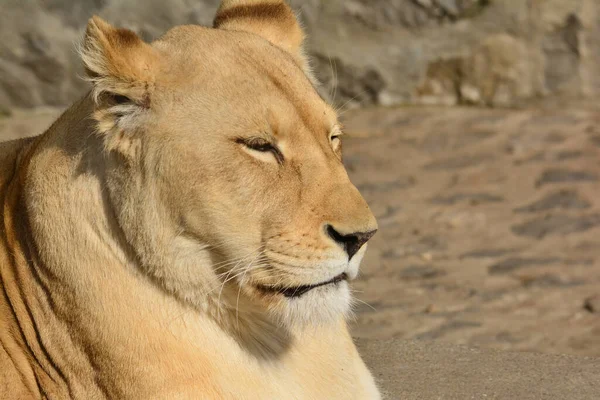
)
(320, 306)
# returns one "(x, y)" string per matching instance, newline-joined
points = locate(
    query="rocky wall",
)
(388, 52)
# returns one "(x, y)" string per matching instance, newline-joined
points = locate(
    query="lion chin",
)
(187, 229)
(308, 305)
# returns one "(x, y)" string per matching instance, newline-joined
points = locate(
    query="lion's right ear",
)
(118, 62)
(122, 69)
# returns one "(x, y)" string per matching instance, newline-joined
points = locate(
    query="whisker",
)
(340, 110)
(365, 303)
(238, 295)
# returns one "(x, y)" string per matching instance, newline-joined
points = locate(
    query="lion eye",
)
(262, 146)
(335, 141)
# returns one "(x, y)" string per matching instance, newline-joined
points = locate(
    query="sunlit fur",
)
(141, 233)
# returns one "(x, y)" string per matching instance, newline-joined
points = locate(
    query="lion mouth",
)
(297, 291)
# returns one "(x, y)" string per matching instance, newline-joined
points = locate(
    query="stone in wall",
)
(499, 53)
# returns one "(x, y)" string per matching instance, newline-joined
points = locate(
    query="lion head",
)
(225, 165)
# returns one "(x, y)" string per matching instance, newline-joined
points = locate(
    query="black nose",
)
(351, 242)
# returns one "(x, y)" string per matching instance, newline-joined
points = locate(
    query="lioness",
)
(187, 230)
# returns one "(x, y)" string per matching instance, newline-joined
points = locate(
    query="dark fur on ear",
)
(118, 62)
(274, 20)
(121, 68)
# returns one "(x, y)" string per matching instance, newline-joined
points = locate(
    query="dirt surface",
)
(489, 224)
(419, 370)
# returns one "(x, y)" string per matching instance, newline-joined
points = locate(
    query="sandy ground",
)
(489, 224)
(424, 370)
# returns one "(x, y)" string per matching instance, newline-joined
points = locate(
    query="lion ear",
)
(122, 68)
(273, 20)
(118, 62)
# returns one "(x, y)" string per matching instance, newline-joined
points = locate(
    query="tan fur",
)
(139, 232)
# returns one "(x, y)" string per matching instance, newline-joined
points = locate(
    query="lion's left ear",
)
(273, 20)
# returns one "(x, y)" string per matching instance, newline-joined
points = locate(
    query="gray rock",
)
(425, 244)
(562, 50)
(472, 198)
(416, 272)
(564, 199)
(556, 224)
(497, 53)
(592, 304)
(537, 157)
(567, 155)
(444, 141)
(389, 212)
(347, 84)
(549, 281)
(514, 263)
(565, 175)
(458, 162)
(488, 253)
(595, 139)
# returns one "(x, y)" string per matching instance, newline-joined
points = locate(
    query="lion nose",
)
(350, 242)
